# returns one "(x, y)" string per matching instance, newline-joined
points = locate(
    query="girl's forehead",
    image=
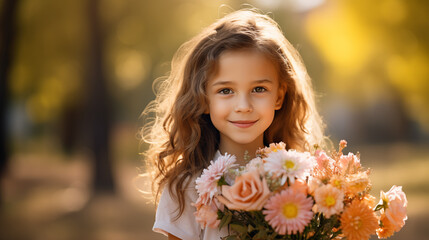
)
(244, 56)
(244, 64)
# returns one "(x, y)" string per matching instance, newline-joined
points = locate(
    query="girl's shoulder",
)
(189, 185)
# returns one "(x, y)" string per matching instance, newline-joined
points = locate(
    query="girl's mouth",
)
(243, 124)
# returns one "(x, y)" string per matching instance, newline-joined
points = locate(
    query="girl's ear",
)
(280, 97)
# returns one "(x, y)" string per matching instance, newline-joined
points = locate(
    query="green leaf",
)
(221, 181)
(378, 207)
(273, 235)
(232, 237)
(220, 214)
(226, 219)
(239, 228)
(260, 235)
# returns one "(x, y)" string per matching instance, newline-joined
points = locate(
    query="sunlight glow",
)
(294, 5)
(131, 68)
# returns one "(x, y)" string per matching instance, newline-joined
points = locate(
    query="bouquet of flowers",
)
(286, 194)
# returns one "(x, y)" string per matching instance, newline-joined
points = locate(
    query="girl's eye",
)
(225, 91)
(259, 89)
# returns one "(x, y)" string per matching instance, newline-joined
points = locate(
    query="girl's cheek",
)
(267, 101)
(220, 105)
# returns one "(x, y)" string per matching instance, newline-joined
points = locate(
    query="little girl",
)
(236, 87)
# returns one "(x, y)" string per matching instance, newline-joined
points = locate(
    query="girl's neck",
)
(239, 150)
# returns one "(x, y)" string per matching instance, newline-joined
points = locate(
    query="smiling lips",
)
(243, 124)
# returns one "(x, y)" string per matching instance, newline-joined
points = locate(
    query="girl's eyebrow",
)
(231, 82)
(221, 83)
(263, 81)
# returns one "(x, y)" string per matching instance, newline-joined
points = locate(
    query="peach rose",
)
(248, 193)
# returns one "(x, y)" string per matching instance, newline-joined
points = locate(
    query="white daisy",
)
(289, 164)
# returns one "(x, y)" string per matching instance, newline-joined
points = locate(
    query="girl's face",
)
(243, 95)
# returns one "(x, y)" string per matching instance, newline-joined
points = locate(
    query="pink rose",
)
(248, 193)
(396, 211)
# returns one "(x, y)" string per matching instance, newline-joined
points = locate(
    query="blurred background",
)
(75, 76)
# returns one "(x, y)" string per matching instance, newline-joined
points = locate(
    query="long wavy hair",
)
(182, 139)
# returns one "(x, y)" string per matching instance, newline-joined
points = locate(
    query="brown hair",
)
(182, 140)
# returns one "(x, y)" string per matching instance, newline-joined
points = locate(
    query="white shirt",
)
(185, 227)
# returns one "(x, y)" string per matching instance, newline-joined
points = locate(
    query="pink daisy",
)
(288, 212)
(206, 184)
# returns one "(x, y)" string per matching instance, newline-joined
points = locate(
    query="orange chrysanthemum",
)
(358, 221)
(387, 228)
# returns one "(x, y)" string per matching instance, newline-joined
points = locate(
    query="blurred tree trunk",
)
(7, 36)
(99, 106)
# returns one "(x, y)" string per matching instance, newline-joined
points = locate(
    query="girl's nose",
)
(243, 104)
